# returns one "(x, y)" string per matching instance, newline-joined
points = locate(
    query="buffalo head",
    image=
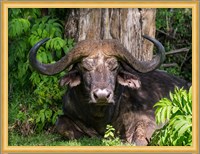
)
(97, 66)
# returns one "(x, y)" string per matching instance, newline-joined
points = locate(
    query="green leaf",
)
(42, 115)
(51, 21)
(45, 34)
(106, 135)
(158, 115)
(45, 19)
(38, 119)
(184, 128)
(55, 24)
(47, 46)
(49, 56)
(178, 124)
(168, 112)
(58, 33)
(171, 96)
(54, 118)
(163, 114)
(58, 53)
(35, 27)
(42, 26)
(48, 114)
(59, 112)
(39, 31)
(175, 109)
(34, 39)
(52, 42)
(44, 57)
(65, 49)
(18, 27)
(70, 41)
(190, 93)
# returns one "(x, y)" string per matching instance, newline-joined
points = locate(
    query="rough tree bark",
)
(126, 25)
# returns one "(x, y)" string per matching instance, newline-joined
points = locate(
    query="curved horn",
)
(73, 56)
(141, 66)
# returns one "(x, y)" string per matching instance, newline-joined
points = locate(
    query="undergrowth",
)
(176, 114)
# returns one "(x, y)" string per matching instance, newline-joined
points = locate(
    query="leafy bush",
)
(27, 27)
(176, 112)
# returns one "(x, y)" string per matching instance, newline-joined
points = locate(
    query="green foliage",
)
(177, 114)
(109, 137)
(174, 30)
(45, 27)
(27, 27)
(48, 99)
(28, 116)
(109, 134)
(18, 32)
(17, 27)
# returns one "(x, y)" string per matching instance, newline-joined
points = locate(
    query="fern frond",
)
(17, 27)
(178, 112)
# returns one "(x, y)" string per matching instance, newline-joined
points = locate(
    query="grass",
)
(43, 139)
(17, 132)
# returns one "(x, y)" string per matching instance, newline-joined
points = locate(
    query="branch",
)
(170, 65)
(160, 31)
(177, 51)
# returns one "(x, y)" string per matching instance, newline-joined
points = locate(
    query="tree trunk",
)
(126, 25)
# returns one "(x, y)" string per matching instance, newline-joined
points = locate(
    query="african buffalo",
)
(107, 85)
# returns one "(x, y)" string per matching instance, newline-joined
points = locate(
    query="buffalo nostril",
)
(108, 95)
(95, 96)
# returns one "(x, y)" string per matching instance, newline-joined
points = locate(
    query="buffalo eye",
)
(88, 65)
(112, 64)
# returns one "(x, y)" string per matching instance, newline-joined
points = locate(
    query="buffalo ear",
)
(128, 79)
(72, 79)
